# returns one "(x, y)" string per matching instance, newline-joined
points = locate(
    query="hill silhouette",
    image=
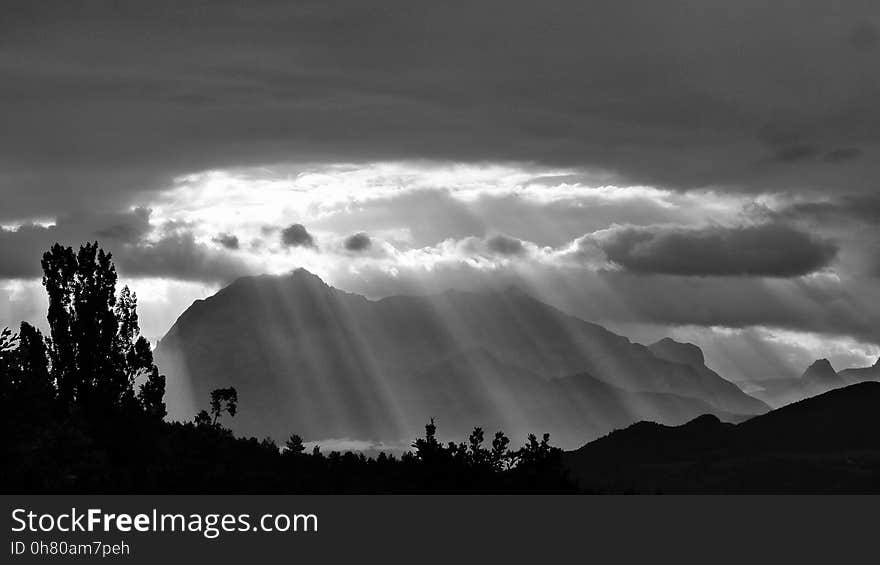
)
(828, 443)
(334, 364)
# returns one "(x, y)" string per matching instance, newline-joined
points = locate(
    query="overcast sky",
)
(702, 169)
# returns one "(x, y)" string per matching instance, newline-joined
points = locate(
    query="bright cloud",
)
(624, 256)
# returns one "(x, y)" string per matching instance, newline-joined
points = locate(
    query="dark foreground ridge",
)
(51, 449)
(828, 443)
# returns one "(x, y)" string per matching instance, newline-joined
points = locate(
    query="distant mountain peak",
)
(821, 364)
(678, 352)
(327, 363)
(820, 370)
(302, 281)
(302, 274)
(298, 279)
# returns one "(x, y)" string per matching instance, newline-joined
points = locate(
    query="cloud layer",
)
(104, 104)
(140, 249)
(768, 250)
(709, 166)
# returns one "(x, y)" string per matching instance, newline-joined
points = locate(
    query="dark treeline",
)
(82, 410)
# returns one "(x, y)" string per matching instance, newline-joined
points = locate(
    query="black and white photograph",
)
(400, 247)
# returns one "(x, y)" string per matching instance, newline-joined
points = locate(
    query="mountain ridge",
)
(825, 443)
(312, 359)
(818, 378)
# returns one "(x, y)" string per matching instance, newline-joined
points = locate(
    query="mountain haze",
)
(819, 377)
(861, 374)
(311, 359)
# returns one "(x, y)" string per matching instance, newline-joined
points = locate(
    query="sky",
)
(701, 169)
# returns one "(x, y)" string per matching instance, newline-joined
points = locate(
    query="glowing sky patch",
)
(437, 225)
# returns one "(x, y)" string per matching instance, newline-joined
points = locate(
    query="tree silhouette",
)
(136, 355)
(295, 445)
(59, 273)
(34, 363)
(499, 454)
(223, 400)
(477, 454)
(24, 367)
(96, 351)
(428, 449)
(202, 419)
(534, 453)
(152, 394)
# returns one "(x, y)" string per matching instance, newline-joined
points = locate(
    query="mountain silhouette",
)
(821, 376)
(826, 443)
(818, 378)
(314, 360)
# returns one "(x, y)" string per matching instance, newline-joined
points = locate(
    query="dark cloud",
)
(22, 248)
(227, 240)
(821, 306)
(127, 228)
(179, 256)
(296, 235)
(102, 105)
(499, 246)
(767, 250)
(174, 254)
(357, 242)
(504, 245)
